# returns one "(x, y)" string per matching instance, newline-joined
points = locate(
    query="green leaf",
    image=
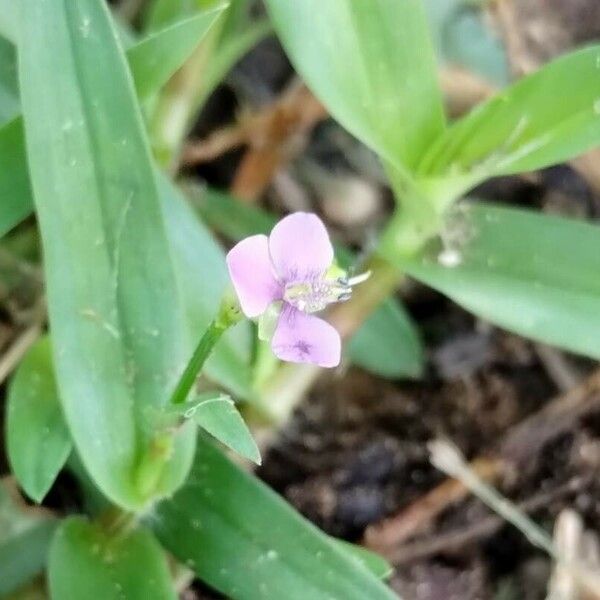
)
(244, 540)
(372, 65)
(38, 439)
(219, 417)
(179, 39)
(533, 274)
(368, 559)
(388, 343)
(24, 540)
(86, 562)
(15, 189)
(161, 13)
(543, 119)
(116, 319)
(155, 58)
(9, 88)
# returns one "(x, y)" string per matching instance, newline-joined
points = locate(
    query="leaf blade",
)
(86, 563)
(530, 125)
(38, 440)
(511, 274)
(275, 553)
(372, 65)
(106, 308)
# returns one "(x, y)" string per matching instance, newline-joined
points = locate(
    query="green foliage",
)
(218, 416)
(155, 58)
(24, 540)
(98, 203)
(244, 540)
(530, 273)
(87, 561)
(37, 437)
(372, 65)
(545, 118)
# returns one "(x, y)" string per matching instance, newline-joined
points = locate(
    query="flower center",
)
(315, 295)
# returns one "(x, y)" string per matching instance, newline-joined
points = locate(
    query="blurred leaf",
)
(545, 118)
(202, 277)
(37, 436)
(372, 65)
(117, 327)
(8, 19)
(244, 540)
(387, 343)
(219, 417)
(464, 39)
(24, 539)
(15, 189)
(154, 59)
(9, 88)
(367, 558)
(86, 562)
(533, 274)
(162, 13)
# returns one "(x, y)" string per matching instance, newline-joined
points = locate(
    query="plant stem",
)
(229, 314)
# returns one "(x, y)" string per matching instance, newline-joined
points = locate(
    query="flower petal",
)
(304, 338)
(251, 272)
(300, 247)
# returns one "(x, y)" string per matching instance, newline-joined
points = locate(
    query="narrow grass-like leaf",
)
(244, 540)
(88, 562)
(533, 274)
(371, 64)
(219, 417)
(24, 540)
(115, 315)
(38, 439)
(155, 58)
(543, 119)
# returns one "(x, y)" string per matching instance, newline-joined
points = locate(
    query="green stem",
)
(229, 315)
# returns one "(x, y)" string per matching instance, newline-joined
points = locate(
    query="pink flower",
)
(289, 272)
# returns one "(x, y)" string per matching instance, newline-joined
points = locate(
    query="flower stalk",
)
(229, 314)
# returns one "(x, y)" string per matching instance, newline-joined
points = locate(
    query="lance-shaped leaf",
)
(543, 119)
(38, 439)
(152, 61)
(86, 561)
(533, 274)
(155, 58)
(244, 540)
(115, 312)
(371, 64)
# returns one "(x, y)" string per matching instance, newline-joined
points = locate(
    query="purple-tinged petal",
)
(300, 247)
(252, 275)
(304, 338)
